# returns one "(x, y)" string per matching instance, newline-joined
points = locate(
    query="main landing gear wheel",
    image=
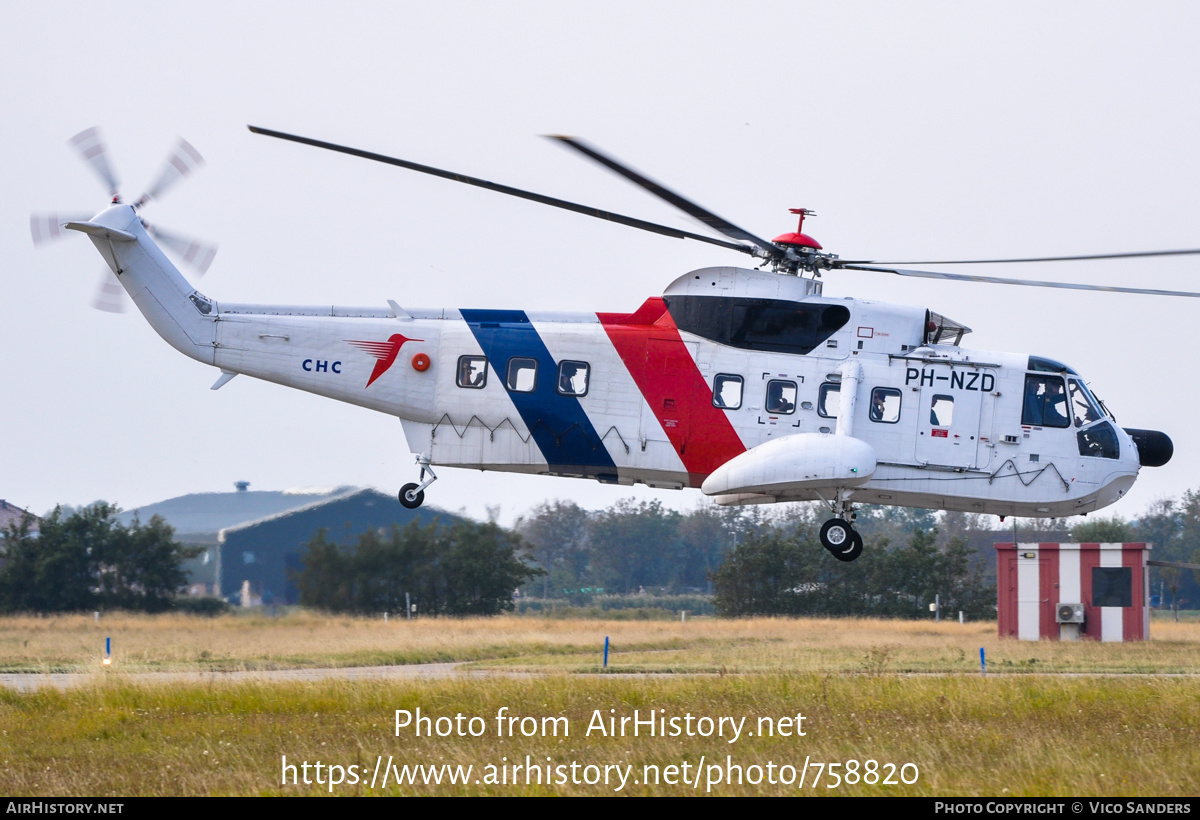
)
(841, 540)
(411, 497)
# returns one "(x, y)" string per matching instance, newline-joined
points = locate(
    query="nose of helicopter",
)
(1154, 448)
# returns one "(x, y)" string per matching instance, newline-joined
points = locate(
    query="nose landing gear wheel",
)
(841, 540)
(411, 497)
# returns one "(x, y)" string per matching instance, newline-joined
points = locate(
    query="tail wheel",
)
(411, 497)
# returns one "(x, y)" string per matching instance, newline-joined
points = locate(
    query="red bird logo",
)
(385, 352)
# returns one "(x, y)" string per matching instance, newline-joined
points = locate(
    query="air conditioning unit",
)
(1069, 614)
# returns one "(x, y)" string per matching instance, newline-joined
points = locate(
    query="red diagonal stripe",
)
(673, 386)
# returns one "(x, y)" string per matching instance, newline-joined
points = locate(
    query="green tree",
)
(466, 569)
(634, 544)
(785, 571)
(88, 560)
(767, 573)
(705, 535)
(1112, 530)
(557, 536)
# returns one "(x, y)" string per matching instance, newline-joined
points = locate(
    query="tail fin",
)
(173, 307)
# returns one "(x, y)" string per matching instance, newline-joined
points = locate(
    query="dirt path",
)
(65, 680)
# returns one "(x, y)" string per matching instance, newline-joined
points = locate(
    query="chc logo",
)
(385, 352)
(321, 365)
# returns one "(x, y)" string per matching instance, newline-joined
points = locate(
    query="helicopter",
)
(747, 383)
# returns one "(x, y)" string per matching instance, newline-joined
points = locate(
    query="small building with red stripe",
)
(1063, 591)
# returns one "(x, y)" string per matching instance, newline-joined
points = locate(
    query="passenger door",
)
(948, 421)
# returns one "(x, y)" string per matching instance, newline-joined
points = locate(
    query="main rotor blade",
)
(1133, 255)
(997, 280)
(195, 254)
(682, 203)
(91, 148)
(180, 163)
(505, 189)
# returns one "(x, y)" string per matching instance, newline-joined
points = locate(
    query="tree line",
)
(86, 560)
(463, 569)
(753, 560)
(910, 555)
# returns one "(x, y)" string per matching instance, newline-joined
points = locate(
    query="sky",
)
(917, 130)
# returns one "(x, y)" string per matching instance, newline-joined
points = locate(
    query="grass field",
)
(1025, 729)
(757, 645)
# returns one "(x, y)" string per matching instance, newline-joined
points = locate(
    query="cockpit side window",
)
(1045, 402)
(1085, 409)
(1099, 441)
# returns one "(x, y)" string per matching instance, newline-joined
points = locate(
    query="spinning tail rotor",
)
(182, 161)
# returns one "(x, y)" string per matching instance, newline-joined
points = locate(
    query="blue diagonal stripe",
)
(558, 423)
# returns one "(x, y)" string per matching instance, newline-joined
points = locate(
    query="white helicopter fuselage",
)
(748, 384)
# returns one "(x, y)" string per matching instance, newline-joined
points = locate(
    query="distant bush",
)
(619, 607)
(207, 606)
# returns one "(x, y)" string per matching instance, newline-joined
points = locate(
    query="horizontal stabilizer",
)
(102, 231)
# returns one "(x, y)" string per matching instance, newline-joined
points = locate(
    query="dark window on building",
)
(1045, 402)
(522, 375)
(727, 391)
(829, 400)
(573, 378)
(472, 371)
(1112, 586)
(781, 397)
(885, 405)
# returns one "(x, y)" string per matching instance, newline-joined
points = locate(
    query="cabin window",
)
(522, 375)
(727, 391)
(885, 405)
(1045, 402)
(472, 371)
(781, 397)
(941, 411)
(829, 400)
(573, 378)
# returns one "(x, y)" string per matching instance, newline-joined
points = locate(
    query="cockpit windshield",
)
(1085, 408)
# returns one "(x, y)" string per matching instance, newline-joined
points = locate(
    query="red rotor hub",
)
(797, 237)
